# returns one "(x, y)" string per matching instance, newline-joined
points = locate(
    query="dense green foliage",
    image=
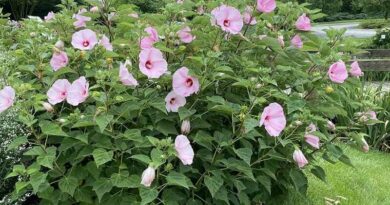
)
(95, 153)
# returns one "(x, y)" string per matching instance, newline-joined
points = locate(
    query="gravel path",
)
(352, 29)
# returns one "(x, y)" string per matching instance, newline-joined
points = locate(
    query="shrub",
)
(115, 136)
(382, 38)
(374, 24)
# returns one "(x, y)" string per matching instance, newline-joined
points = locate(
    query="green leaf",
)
(184, 113)
(250, 124)
(68, 185)
(299, 180)
(319, 173)
(35, 151)
(295, 105)
(102, 186)
(142, 158)
(20, 185)
(166, 127)
(17, 142)
(123, 181)
(213, 184)
(245, 154)
(101, 156)
(148, 195)
(36, 180)
(266, 182)
(47, 158)
(50, 128)
(103, 120)
(176, 178)
(133, 135)
(160, 105)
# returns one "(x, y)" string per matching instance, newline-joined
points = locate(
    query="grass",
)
(368, 183)
(346, 21)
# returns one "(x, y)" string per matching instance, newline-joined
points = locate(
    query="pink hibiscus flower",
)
(296, 41)
(184, 149)
(249, 19)
(266, 6)
(303, 23)
(105, 42)
(7, 97)
(84, 40)
(59, 60)
(228, 18)
(80, 19)
(58, 91)
(152, 63)
(273, 119)
(355, 70)
(185, 35)
(125, 76)
(299, 158)
(148, 42)
(337, 72)
(50, 16)
(78, 91)
(174, 102)
(313, 140)
(184, 84)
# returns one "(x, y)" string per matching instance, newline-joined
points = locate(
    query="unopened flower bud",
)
(94, 9)
(109, 60)
(59, 45)
(329, 89)
(259, 85)
(48, 107)
(148, 176)
(298, 123)
(331, 126)
(62, 120)
(82, 54)
(185, 127)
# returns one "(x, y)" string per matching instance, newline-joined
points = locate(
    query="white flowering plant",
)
(382, 38)
(205, 102)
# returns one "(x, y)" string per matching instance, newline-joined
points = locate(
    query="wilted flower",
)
(94, 9)
(184, 150)
(299, 158)
(249, 19)
(105, 42)
(47, 107)
(80, 19)
(331, 126)
(311, 128)
(148, 176)
(125, 76)
(281, 40)
(273, 119)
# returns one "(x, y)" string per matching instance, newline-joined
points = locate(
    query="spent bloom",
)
(281, 40)
(249, 19)
(266, 6)
(80, 19)
(273, 119)
(125, 76)
(228, 18)
(148, 42)
(7, 97)
(59, 60)
(47, 106)
(331, 126)
(299, 158)
(148, 176)
(184, 149)
(84, 40)
(297, 42)
(58, 91)
(303, 23)
(338, 72)
(355, 69)
(311, 128)
(174, 102)
(94, 9)
(105, 42)
(78, 91)
(313, 140)
(185, 35)
(183, 84)
(152, 63)
(50, 16)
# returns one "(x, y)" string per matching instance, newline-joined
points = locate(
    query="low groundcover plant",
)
(217, 102)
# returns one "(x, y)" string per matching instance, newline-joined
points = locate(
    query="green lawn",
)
(366, 184)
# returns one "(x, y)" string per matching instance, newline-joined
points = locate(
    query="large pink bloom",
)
(50, 16)
(105, 42)
(59, 60)
(355, 69)
(58, 91)
(184, 149)
(174, 102)
(78, 91)
(184, 84)
(296, 41)
(266, 6)
(148, 42)
(152, 63)
(228, 18)
(273, 119)
(84, 40)
(126, 77)
(7, 97)
(313, 140)
(338, 72)
(185, 35)
(299, 158)
(303, 23)
(148, 176)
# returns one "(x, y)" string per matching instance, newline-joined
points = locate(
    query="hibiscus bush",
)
(206, 102)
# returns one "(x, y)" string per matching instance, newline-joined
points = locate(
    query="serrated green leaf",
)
(103, 120)
(123, 181)
(52, 129)
(148, 195)
(213, 184)
(47, 159)
(102, 186)
(101, 156)
(68, 185)
(179, 179)
(17, 142)
(245, 154)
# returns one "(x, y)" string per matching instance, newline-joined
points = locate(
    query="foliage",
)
(95, 153)
(382, 38)
(374, 24)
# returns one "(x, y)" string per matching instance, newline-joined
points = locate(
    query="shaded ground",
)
(353, 29)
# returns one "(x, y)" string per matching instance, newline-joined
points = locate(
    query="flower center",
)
(189, 82)
(63, 93)
(172, 101)
(226, 22)
(148, 65)
(267, 118)
(85, 43)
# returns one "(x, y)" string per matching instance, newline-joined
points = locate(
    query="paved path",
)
(352, 29)
(385, 85)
